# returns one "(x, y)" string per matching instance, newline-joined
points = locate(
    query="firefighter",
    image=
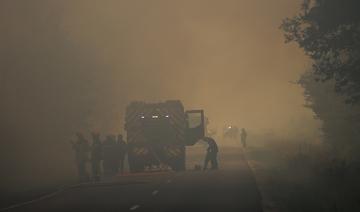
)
(96, 157)
(243, 136)
(211, 155)
(81, 148)
(122, 151)
(110, 156)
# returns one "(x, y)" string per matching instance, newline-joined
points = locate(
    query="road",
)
(232, 188)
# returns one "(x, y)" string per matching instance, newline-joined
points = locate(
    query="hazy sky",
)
(76, 64)
(227, 57)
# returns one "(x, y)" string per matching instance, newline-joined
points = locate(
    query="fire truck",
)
(157, 134)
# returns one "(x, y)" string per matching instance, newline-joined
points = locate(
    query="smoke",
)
(68, 66)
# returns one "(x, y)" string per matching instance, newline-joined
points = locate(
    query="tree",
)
(329, 32)
(340, 121)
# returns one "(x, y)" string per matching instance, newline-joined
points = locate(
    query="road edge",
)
(266, 203)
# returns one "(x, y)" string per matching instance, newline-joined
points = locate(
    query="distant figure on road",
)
(96, 157)
(211, 154)
(122, 151)
(243, 136)
(81, 148)
(110, 156)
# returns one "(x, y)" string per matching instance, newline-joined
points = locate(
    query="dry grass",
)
(297, 176)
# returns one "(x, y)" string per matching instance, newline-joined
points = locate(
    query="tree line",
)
(329, 33)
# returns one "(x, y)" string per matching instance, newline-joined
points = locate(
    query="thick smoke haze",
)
(68, 66)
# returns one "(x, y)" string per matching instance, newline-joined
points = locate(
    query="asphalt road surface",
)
(232, 188)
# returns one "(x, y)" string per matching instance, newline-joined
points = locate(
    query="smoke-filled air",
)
(70, 69)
